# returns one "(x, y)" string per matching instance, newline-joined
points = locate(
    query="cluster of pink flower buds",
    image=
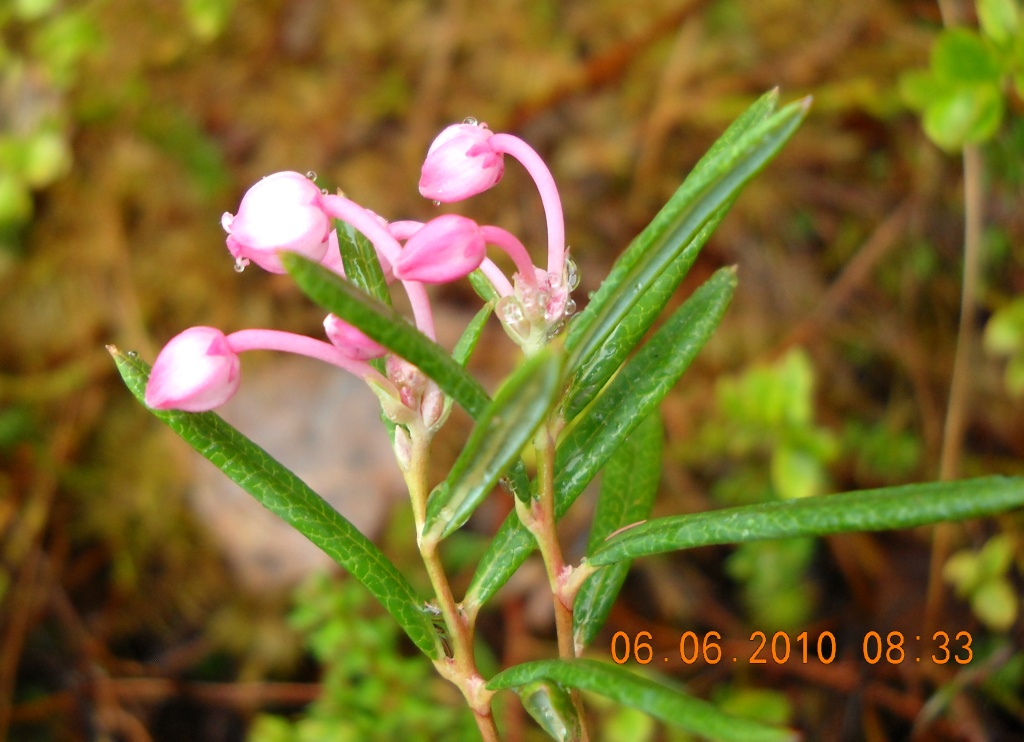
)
(199, 369)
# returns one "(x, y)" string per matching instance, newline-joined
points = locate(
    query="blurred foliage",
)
(371, 691)
(1004, 336)
(983, 578)
(962, 94)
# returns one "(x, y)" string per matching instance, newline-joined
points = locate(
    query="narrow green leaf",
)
(471, 335)
(630, 397)
(670, 703)
(629, 485)
(482, 286)
(519, 407)
(595, 370)
(865, 510)
(383, 324)
(362, 266)
(639, 387)
(713, 185)
(289, 498)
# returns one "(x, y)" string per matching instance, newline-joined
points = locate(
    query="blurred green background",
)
(127, 128)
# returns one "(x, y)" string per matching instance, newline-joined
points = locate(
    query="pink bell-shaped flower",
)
(281, 212)
(445, 249)
(351, 341)
(196, 371)
(460, 163)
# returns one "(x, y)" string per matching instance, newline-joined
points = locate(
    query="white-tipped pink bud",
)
(460, 163)
(445, 249)
(196, 371)
(281, 212)
(351, 341)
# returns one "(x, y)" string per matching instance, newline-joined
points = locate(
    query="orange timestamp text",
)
(893, 648)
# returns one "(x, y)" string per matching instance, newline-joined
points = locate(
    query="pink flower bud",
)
(445, 249)
(196, 371)
(280, 212)
(460, 163)
(351, 341)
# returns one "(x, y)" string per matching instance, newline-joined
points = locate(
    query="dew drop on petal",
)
(572, 274)
(323, 191)
(311, 174)
(470, 121)
(437, 203)
(570, 307)
(240, 264)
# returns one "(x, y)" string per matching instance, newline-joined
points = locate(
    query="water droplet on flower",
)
(555, 329)
(570, 307)
(311, 174)
(470, 120)
(572, 274)
(323, 191)
(240, 264)
(437, 203)
(133, 354)
(512, 312)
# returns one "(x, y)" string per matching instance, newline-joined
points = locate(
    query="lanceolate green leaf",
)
(712, 185)
(519, 407)
(632, 395)
(629, 485)
(362, 266)
(288, 497)
(471, 335)
(670, 703)
(594, 371)
(866, 510)
(597, 367)
(387, 327)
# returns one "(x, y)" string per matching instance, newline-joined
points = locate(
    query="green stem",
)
(459, 668)
(538, 515)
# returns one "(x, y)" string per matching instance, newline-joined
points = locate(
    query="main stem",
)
(460, 668)
(539, 518)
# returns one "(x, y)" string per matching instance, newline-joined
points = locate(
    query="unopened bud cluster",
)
(198, 369)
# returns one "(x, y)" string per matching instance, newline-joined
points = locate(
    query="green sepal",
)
(288, 497)
(629, 485)
(866, 510)
(670, 703)
(519, 408)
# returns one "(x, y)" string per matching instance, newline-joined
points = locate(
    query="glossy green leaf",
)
(709, 189)
(629, 485)
(999, 19)
(596, 366)
(968, 114)
(866, 510)
(289, 498)
(551, 707)
(961, 56)
(670, 703)
(362, 266)
(630, 397)
(520, 406)
(383, 324)
(467, 341)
